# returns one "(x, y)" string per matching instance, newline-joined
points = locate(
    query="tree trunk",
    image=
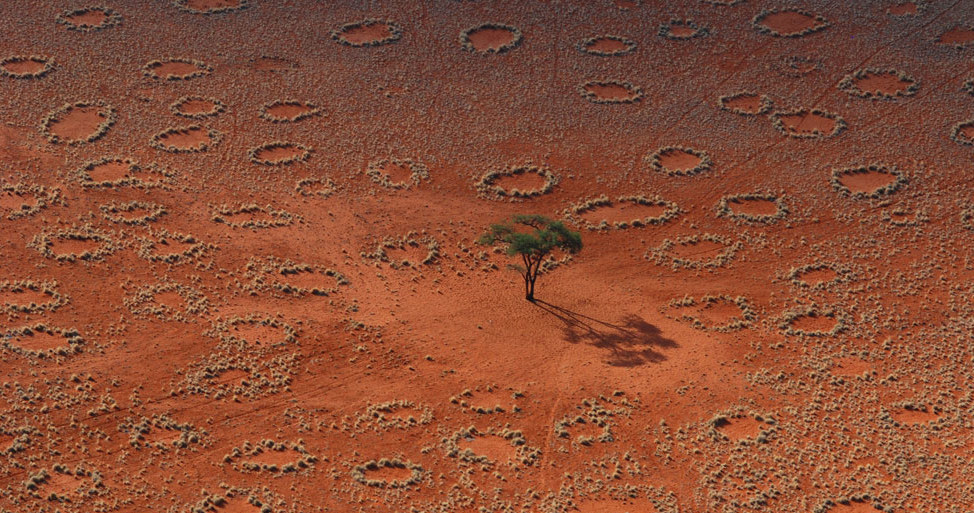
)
(528, 288)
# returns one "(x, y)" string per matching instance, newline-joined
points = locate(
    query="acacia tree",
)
(533, 245)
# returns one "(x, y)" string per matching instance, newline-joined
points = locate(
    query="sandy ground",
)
(238, 269)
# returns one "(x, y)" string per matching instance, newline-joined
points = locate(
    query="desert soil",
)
(228, 314)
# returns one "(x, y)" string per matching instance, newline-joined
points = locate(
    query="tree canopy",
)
(533, 238)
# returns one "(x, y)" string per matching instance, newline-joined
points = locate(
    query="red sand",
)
(489, 38)
(808, 123)
(603, 345)
(886, 83)
(747, 103)
(607, 45)
(609, 91)
(788, 22)
(78, 123)
(866, 182)
(197, 107)
(679, 160)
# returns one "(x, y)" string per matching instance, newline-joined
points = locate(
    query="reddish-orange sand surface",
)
(238, 268)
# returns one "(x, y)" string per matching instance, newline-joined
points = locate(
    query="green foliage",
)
(543, 235)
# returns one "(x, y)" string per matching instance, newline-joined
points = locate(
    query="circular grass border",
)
(842, 320)
(705, 164)
(820, 22)
(196, 249)
(49, 288)
(766, 103)
(724, 208)
(748, 315)
(418, 173)
(43, 241)
(112, 18)
(779, 125)
(314, 110)
(486, 188)
(43, 197)
(900, 181)
(328, 187)
(583, 46)
(280, 217)
(395, 33)
(843, 274)
(202, 69)
(72, 344)
(155, 211)
(47, 61)
(659, 255)
(358, 473)
(636, 92)
(218, 107)
(214, 135)
(305, 154)
(111, 116)
(183, 6)
(573, 213)
(515, 42)
(848, 84)
(666, 30)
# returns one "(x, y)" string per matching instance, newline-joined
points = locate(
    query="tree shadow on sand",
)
(631, 341)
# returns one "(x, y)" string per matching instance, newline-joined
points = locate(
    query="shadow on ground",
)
(632, 341)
